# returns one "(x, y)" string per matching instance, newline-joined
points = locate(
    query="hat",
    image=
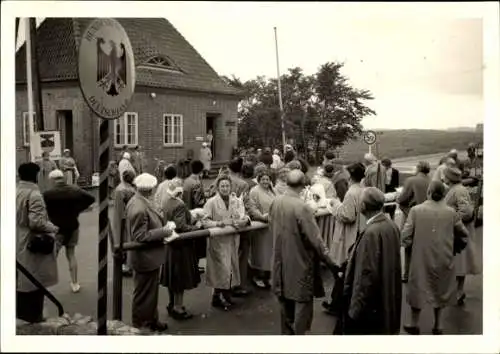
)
(145, 182)
(329, 170)
(56, 174)
(204, 144)
(370, 157)
(373, 198)
(453, 174)
(126, 155)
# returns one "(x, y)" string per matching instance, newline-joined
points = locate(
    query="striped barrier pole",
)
(102, 281)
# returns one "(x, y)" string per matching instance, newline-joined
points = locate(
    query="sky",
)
(424, 73)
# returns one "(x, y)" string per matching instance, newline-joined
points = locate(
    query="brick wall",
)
(193, 107)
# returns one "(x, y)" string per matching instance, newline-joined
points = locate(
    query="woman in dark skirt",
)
(180, 271)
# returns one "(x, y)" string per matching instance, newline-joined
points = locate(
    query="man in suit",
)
(144, 223)
(414, 192)
(372, 287)
(391, 183)
(298, 249)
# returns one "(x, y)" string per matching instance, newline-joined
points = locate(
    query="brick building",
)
(178, 96)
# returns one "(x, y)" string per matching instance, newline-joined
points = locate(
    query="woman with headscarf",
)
(32, 219)
(123, 193)
(145, 225)
(46, 167)
(180, 271)
(458, 197)
(67, 164)
(223, 209)
(260, 199)
(434, 233)
(349, 222)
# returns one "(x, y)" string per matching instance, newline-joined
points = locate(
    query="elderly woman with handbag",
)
(36, 251)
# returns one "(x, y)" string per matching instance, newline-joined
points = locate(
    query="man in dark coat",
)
(414, 192)
(298, 250)
(64, 204)
(391, 183)
(372, 287)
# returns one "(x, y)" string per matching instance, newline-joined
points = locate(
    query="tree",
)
(319, 107)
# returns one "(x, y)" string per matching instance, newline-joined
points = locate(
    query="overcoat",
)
(261, 249)
(193, 192)
(144, 224)
(373, 286)
(206, 158)
(123, 193)
(414, 192)
(46, 166)
(348, 222)
(458, 198)
(430, 231)
(68, 167)
(375, 176)
(297, 249)
(32, 218)
(222, 271)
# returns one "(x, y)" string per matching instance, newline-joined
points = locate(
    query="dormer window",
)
(161, 63)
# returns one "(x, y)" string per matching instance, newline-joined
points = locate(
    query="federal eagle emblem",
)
(111, 66)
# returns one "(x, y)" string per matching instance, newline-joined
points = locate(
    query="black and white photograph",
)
(244, 171)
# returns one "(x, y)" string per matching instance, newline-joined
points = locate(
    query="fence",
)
(324, 219)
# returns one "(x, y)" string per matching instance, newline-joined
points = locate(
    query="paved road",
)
(407, 164)
(257, 315)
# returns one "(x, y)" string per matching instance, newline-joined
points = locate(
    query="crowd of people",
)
(362, 253)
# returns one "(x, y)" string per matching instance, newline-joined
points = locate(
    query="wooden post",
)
(37, 90)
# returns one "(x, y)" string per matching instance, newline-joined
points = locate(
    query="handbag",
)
(39, 243)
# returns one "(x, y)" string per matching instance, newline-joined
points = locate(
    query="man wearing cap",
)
(125, 165)
(414, 193)
(205, 158)
(298, 248)
(145, 225)
(375, 174)
(372, 287)
(64, 203)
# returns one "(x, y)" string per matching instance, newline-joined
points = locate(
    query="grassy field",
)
(403, 143)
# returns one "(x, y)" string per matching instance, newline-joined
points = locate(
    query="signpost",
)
(106, 73)
(370, 138)
(46, 141)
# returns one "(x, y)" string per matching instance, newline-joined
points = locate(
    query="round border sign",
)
(106, 68)
(370, 137)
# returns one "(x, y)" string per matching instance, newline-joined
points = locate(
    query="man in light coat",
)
(123, 193)
(372, 287)
(298, 250)
(31, 218)
(375, 174)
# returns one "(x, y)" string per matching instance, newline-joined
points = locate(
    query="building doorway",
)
(210, 133)
(65, 127)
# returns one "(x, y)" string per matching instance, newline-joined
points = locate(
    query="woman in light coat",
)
(46, 167)
(458, 197)
(430, 232)
(348, 223)
(67, 164)
(205, 157)
(222, 272)
(260, 199)
(32, 219)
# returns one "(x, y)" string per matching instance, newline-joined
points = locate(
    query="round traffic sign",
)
(370, 137)
(106, 68)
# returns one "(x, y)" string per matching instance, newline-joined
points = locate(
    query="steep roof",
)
(58, 40)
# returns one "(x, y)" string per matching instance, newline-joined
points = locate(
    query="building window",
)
(161, 63)
(126, 132)
(172, 129)
(26, 128)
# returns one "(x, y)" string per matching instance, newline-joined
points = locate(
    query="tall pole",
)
(29, 81)
(37, 90)
(283, 138)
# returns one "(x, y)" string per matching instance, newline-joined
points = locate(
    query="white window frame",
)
(125, 130)
(172, 116)
(26, 128)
